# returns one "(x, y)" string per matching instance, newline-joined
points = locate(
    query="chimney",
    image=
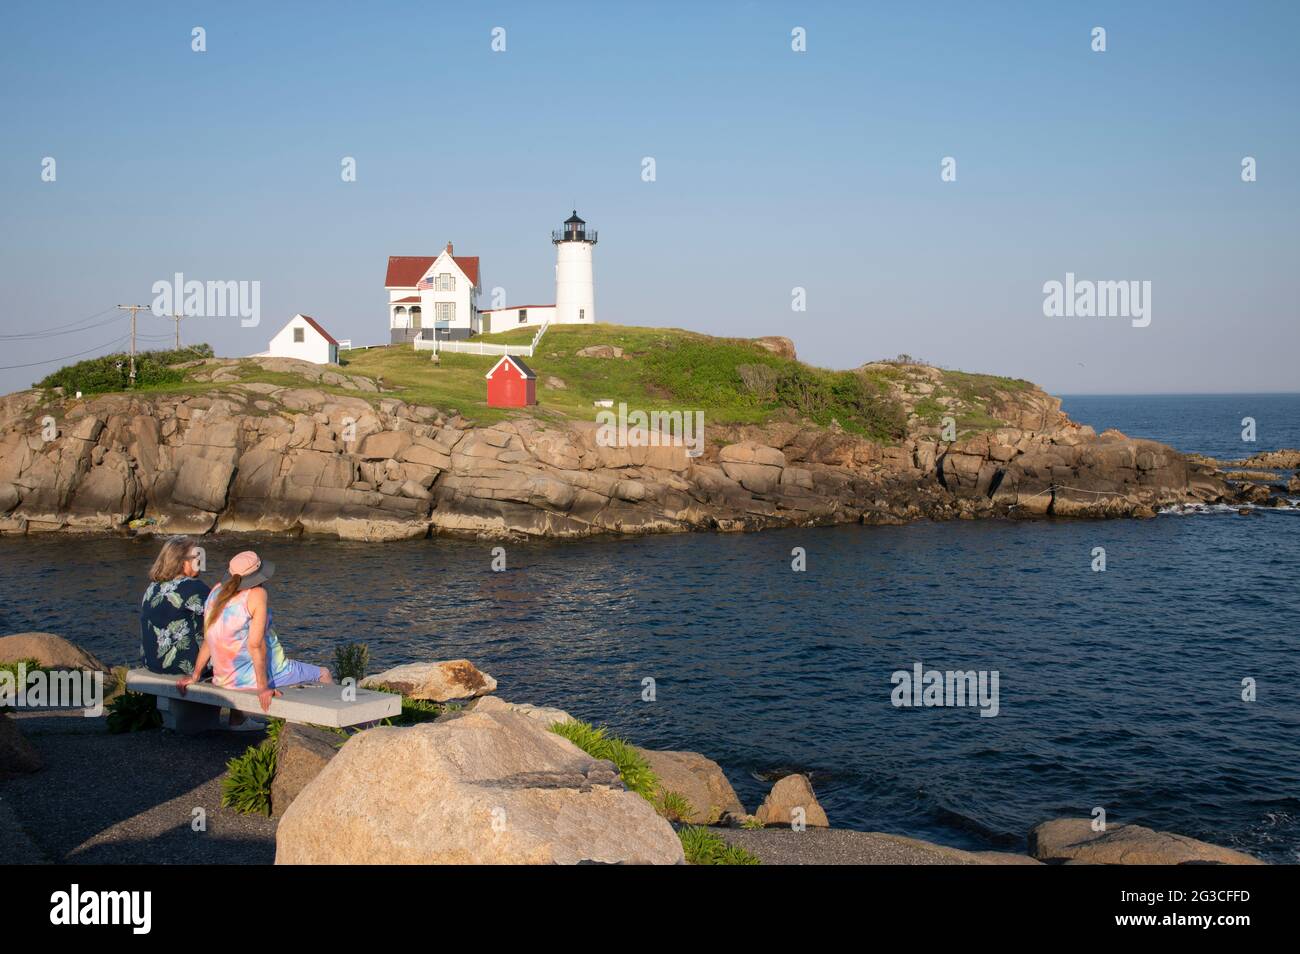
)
(448, 248)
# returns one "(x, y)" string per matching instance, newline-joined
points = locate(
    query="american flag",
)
(425, 282)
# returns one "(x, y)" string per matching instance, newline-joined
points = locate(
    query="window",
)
(523, 316)
(582, 313)
(299, 335)
(445, 281)
(444, 311)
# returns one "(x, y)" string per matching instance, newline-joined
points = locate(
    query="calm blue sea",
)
(1119, 689)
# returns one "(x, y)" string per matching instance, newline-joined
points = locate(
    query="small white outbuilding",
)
(304, 339)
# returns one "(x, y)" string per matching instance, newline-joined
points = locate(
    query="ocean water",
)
(1119, 689)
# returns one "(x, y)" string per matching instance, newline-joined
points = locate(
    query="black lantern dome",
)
(574, 230)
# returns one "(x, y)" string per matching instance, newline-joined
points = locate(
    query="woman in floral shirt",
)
(171, 613)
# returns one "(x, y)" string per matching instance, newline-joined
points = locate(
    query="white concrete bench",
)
(199, 709)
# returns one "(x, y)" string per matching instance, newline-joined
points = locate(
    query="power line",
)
(50, 333)
(80, 320)
(10, 367)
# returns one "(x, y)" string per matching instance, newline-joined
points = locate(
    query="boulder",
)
(49, 651)
(436, 681)
(545, 716)
(301, 752)
(1073, 840)
(791, 792)
(17, 755)
(777, 344)
(600, 351)
(699, 780)
(484, 788)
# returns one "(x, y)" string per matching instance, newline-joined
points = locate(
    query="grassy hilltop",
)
(732, 380)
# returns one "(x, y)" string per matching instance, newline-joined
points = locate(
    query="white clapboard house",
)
(432, 296)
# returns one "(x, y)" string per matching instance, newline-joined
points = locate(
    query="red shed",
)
(511, 383)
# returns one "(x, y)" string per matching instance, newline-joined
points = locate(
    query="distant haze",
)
(774, 170)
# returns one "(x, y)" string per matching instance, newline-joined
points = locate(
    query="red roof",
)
(408, 298)
(405, 270)
(324, 334)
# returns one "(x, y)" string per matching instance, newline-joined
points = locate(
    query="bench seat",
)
(314, 704)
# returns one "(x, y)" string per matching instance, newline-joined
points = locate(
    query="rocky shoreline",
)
(256, 457)
(488, 781)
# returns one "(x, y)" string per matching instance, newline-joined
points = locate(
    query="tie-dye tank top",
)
(227, 640)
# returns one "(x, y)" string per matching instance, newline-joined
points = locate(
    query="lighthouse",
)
(575, 290)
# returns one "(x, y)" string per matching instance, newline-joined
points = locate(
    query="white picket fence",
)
(479, 347)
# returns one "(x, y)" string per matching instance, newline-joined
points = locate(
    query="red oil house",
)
(511, 383)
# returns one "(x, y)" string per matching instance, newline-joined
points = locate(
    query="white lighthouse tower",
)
(575, 290)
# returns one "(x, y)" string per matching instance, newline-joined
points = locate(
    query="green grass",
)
(596, 742)
(732, 380)
(705, 847)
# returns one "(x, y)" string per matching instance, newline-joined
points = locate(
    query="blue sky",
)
(775, 169)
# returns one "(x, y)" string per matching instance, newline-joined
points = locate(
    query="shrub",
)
(133, 712)
(704, 847)
(759, 380)
(247, 786)
(351, 660)
(111, 372)
(29, 665)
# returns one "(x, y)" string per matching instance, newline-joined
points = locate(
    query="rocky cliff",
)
(337, 459)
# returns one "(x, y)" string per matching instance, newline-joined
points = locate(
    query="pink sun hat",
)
(251, 569)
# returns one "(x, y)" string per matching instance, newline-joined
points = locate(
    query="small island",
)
(392, 444)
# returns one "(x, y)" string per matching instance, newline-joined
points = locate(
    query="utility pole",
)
(177, 319)
(133, 309)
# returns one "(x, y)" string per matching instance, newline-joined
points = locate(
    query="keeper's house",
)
(432, 296)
